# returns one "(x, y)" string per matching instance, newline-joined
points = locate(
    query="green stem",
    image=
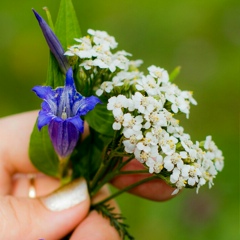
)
(126, 162)
(105, 165)
(133, 172)
(125, 190)
(98, 176)
(64, 171)
(97, 184)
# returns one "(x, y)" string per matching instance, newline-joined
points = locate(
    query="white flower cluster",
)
(95, 51)
(143, 107)
(155, 138)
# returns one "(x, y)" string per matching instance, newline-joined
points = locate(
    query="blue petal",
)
(64, 136)
(47, 94)
(68, 96)
(45, 107)
(43, 119)
(85, 105)
(77, 122)
(44, 92)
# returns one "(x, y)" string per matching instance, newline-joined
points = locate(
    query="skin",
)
(29, 218)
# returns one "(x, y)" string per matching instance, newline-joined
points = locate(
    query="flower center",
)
(64, 114)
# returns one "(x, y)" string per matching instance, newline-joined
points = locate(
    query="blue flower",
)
(61, 111)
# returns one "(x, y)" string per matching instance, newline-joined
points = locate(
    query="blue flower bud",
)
(53, 43)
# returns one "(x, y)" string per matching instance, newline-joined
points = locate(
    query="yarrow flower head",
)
(144, 109)
(61, 111)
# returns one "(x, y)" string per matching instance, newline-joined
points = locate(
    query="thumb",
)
(50, 217)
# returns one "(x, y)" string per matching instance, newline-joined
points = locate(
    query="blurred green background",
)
(203, 37)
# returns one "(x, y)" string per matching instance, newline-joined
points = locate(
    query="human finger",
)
(15, 135)
(156, 190)
(101, 225)
(41, 184)
(49, 217)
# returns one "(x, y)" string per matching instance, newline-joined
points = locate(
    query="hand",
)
(35, 218)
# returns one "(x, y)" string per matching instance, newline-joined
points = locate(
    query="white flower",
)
(105, 61)
(118, 121)
(188, 95)
(132, 122)
(87, 64)
(180, 99)
(117, 103)
(159, 73)
(120, 59)
(148, 84)
(174, 160)
(156, 118)
(135, 64)
(213, 153)
(106, 86)
(83, 50)
(141, 156)
(155, 164)
(158, 131)
(144, 105)
(168, 144)
(102, 37)
(147, 143)
(133, 137)
(218, 160)
(191, 174)
(180, 183)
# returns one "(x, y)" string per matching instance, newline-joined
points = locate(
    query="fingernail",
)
(67, 196)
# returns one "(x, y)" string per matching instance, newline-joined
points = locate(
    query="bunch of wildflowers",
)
(131, 115)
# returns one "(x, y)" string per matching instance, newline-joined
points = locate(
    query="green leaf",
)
(67, 26)
(101, 120)
(41, 152)
(174, 73)
(86, 159)
(55, 77)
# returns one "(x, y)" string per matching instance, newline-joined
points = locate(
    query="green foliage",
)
(86, 159)
(174, 73)
(67, 26)
(116, 219)
(42, 153)
(101, 120)
(55, 77)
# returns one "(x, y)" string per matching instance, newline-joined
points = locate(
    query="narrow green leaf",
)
(174, 73)
(55, 77)
(49, 17)
(101, 120)
(41, 152)
(67, 26)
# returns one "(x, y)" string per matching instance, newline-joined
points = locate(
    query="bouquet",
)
(128, 114)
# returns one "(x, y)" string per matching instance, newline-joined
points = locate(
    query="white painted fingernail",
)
(67, 196)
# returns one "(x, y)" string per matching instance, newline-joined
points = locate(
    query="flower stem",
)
(64, 171)
(98, 176)
(125, 190)
(132, 172)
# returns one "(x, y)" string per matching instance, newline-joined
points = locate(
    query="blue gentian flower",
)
(53, 43)
(61, 111)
